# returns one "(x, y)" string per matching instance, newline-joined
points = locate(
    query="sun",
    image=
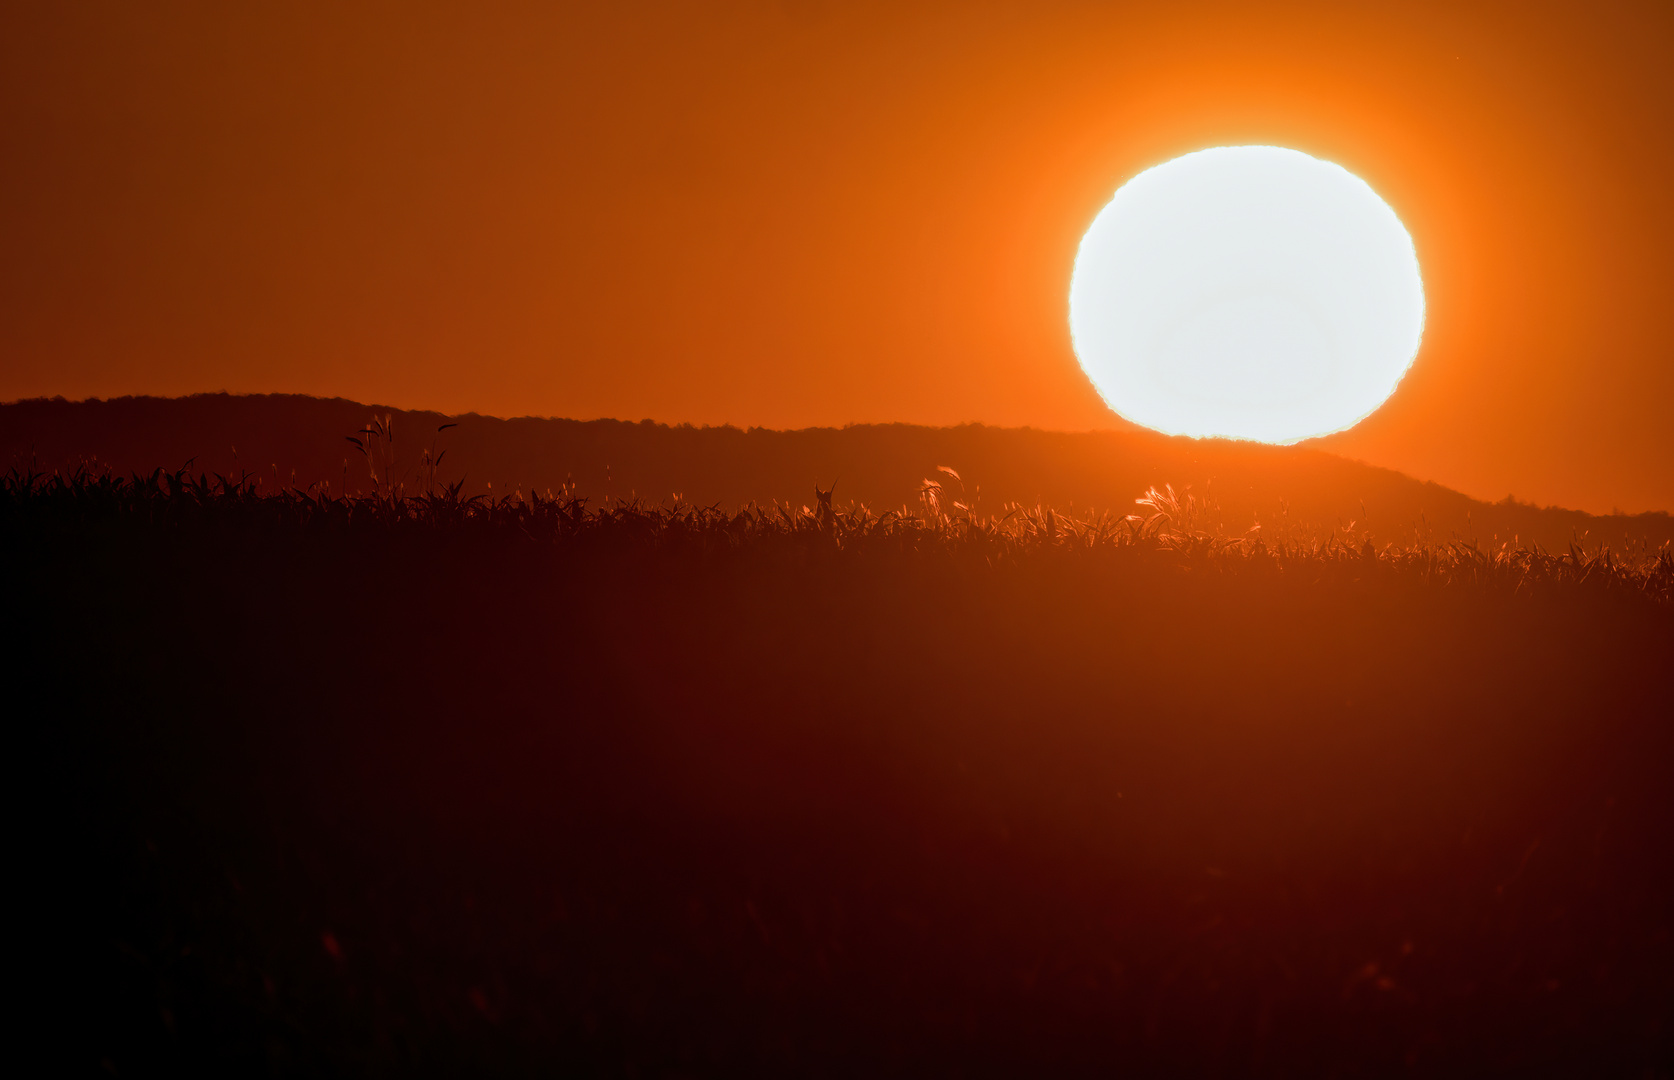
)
(1250, 292)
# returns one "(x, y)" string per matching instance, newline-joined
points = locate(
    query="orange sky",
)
(813, 213)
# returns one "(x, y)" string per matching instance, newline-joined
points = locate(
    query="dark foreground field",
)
(428, 787)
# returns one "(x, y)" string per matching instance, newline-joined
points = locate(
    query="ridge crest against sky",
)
(792, 214)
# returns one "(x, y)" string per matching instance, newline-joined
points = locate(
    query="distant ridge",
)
(290, 439)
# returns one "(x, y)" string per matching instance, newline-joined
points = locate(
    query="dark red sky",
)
(814, 213)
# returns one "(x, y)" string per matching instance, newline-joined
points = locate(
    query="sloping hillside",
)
(288, 439)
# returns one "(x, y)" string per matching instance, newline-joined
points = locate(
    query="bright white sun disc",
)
(1250, 292)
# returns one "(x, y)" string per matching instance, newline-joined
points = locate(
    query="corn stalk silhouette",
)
(1175, 524)
(1175, 515)
(376, 443)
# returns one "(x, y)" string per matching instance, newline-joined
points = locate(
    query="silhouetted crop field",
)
(436, 785)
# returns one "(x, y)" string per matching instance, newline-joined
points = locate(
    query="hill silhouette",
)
(288, 439)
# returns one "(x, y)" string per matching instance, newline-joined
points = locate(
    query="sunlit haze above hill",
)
(799, 213)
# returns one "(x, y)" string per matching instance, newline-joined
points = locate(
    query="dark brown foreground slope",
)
(525, 789)
(289, 440)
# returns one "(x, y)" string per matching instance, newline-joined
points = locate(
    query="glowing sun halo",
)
(1246, 291)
